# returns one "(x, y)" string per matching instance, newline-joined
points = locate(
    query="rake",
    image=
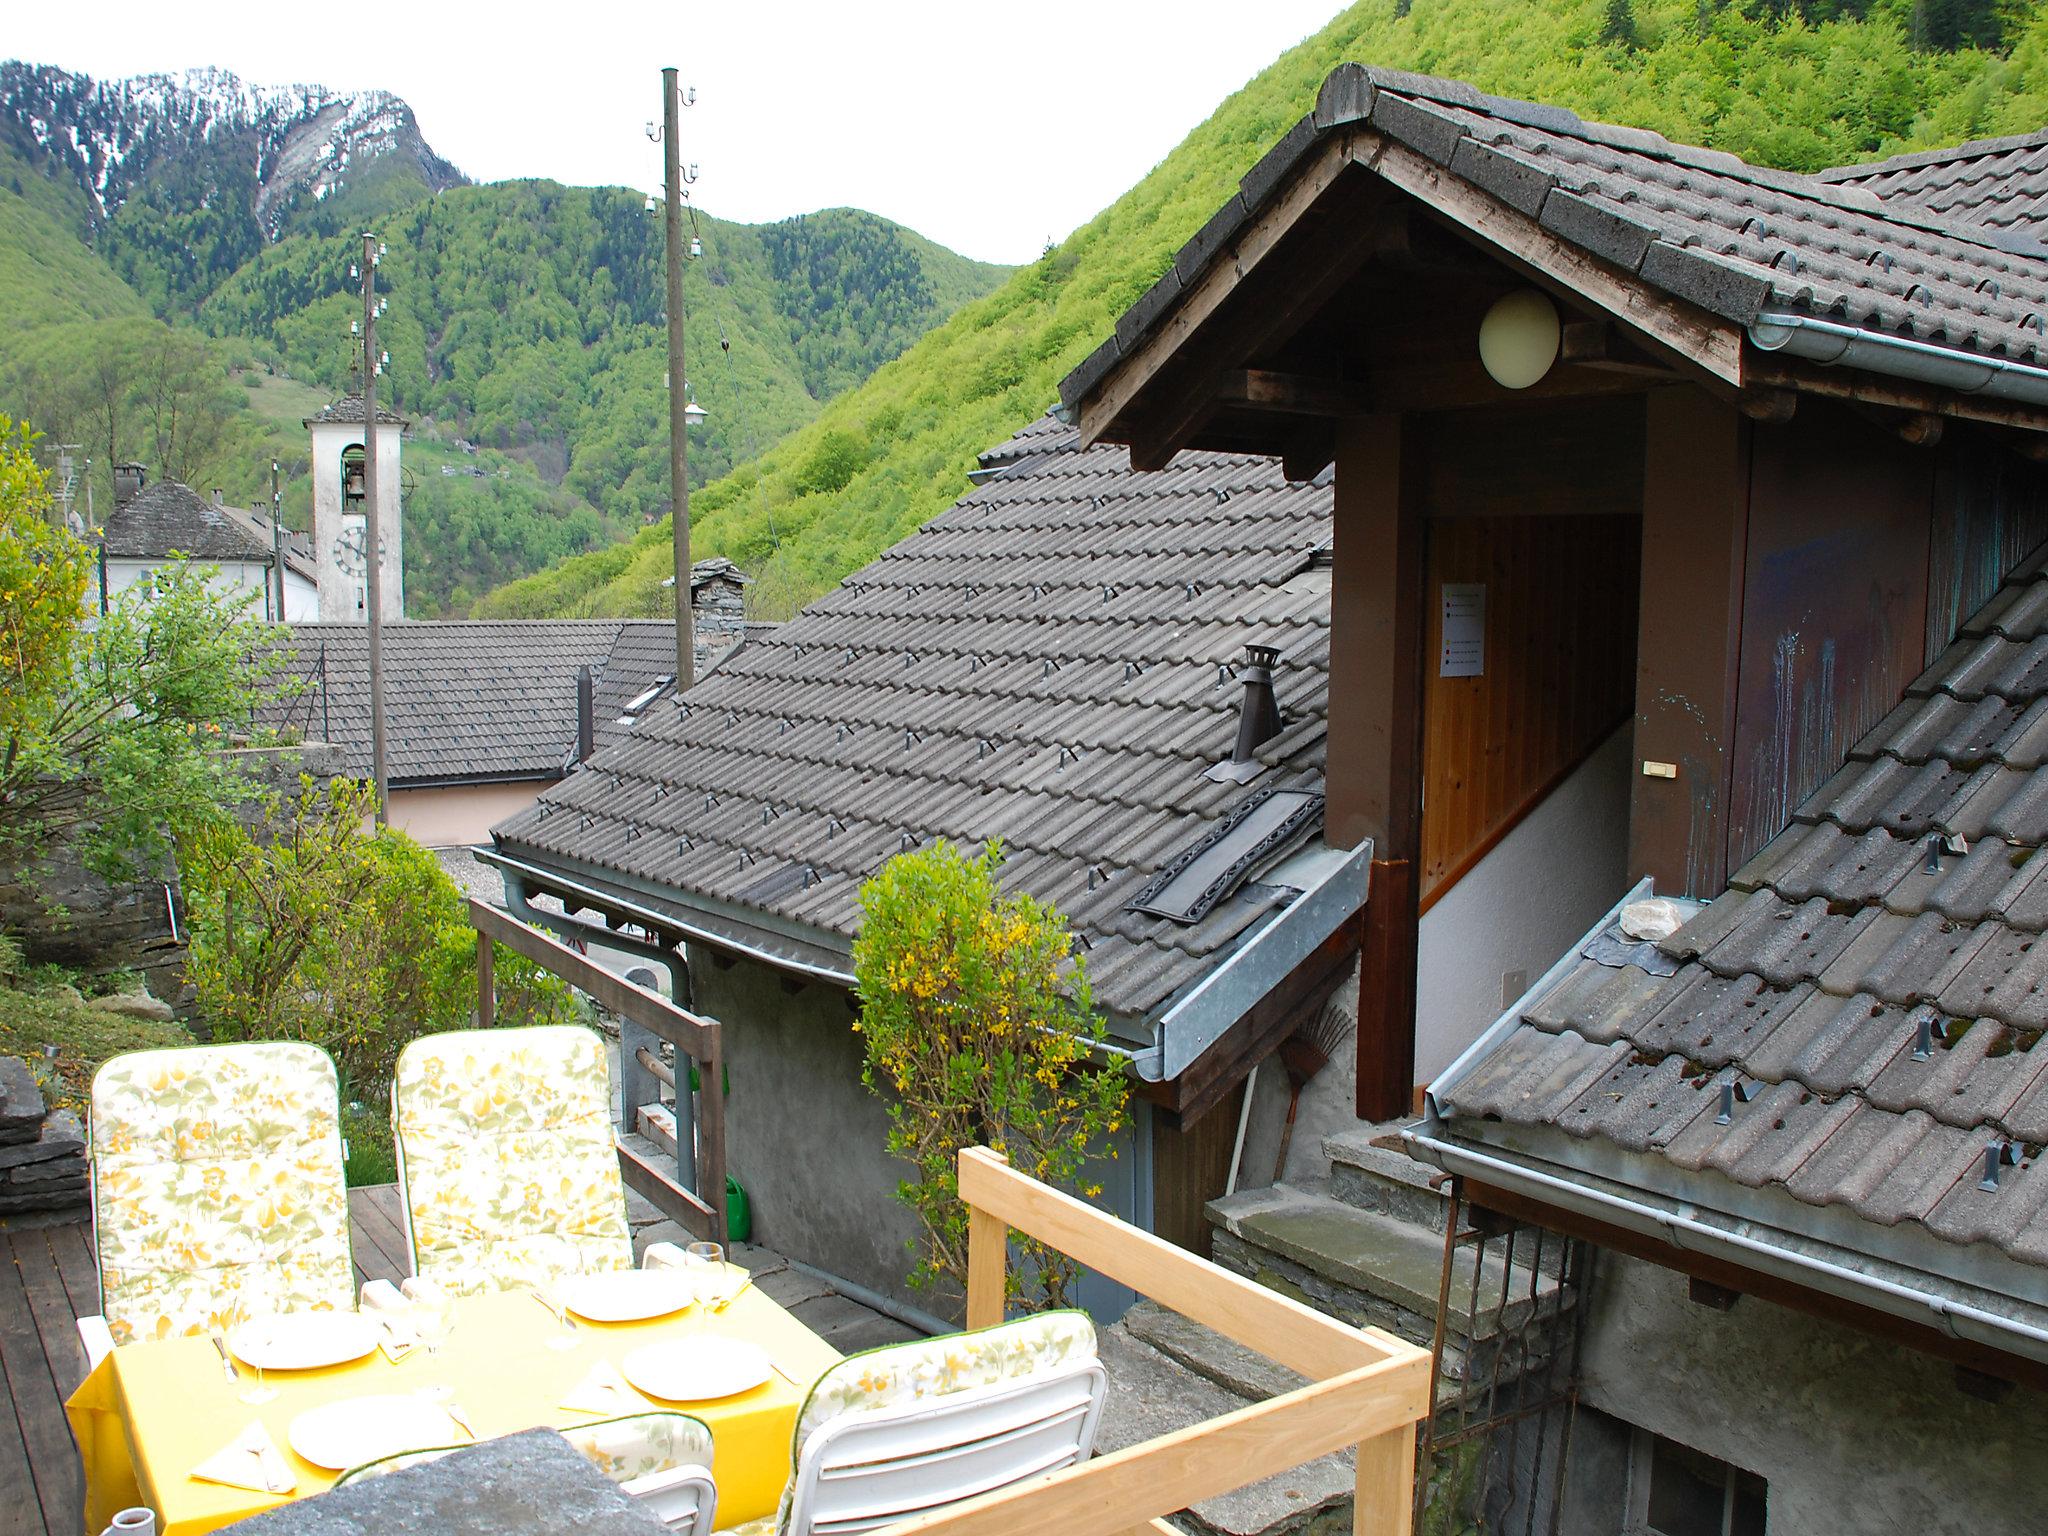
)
(1305, 1053)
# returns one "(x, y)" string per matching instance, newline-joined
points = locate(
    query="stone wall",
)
(1855, 1435)
(65, 914)
(42, 1152)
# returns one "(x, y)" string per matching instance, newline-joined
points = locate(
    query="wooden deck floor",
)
(47, 1281)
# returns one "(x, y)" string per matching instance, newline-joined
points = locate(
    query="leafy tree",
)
(1800, 84)
(315, 927)
(977, 1022)
(109, 731)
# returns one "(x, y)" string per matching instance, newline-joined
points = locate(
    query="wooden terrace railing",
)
(1367, 1388)
(693, 1195)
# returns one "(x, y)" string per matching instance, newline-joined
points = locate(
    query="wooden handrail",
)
(1367, 1387)
(702, 1211)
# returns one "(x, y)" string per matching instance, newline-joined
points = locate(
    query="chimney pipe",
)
(129, 480)
(1258, 719)
(586, 724)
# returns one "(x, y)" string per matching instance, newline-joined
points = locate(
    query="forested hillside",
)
(1799, 85)
(174, 258)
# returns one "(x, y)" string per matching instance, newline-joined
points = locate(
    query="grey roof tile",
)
(1814, 975)
(1032, 665)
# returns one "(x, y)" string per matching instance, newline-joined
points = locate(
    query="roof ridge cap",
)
(1969, 149)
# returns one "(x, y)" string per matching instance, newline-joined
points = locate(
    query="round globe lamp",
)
(1519, 337)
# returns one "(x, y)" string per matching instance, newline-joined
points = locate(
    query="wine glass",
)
(249, 1334)
(707, 1275)
(433, 1320)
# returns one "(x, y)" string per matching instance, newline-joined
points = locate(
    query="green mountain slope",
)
(528, 315)
(1763, 81)
(46, 274)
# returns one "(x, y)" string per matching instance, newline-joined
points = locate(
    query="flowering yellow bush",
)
(978, 1025)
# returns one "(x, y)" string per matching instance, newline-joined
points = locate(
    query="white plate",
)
(359, 1429)
(695, 1370)
(303, 1341)
(628, 1295)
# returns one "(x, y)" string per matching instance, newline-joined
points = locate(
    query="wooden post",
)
(988, 1266)
(486, 982)
(1377, 629)
(1386, 1484)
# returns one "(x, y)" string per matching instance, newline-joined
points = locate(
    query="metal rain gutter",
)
(1831, 343)
(550, 879)
(1957, 1319)
(1222, 997)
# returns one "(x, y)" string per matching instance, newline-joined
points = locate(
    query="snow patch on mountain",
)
(288, 140)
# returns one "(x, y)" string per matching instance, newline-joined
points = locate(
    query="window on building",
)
(1677, 1491)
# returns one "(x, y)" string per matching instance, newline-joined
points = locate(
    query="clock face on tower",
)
(348, 550)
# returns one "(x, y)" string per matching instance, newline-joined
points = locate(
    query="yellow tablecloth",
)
(151, 1412)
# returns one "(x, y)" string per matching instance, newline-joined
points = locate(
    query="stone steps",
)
(1376, 1270)
(1155, 1391)
(1373, 1176)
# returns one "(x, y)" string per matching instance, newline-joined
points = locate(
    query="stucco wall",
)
(1519, 909)
(460, 815)
(803, 1137)
(1855, 1436)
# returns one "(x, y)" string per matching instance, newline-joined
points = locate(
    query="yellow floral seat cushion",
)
(217, 1180)
(507, 1166)
(639, 1444)
(928, 1368)
(626, 1448)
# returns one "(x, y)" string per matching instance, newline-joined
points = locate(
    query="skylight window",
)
(1218, 862)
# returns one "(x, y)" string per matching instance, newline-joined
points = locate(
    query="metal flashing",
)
(1218, 862)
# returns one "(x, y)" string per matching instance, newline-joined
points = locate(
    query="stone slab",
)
(1209, 1354)
(1372, 1255)
(21, 1103)
(1151, 1395)
(60, 1136)
(528, 1484)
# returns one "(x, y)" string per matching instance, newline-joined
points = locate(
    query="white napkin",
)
(604, 1391)
(250, 1460)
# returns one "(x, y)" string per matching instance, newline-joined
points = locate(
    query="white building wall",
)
(1573, 848)
(249, 580)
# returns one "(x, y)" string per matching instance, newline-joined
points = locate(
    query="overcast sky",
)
(987, 127)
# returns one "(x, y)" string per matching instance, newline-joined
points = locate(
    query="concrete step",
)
(1367, 1172)
(1369, 1268)
(1151, 1394)
(1208, 1354)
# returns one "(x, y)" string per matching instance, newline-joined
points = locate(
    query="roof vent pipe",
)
(1258, 716)
(586, 724)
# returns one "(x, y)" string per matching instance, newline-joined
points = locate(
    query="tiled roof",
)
(1700, 225)
(1998, 183)
(464, 701)
(643, 654)
(349, 408)
(167, 517)
(1880, 989)
(1047, 663)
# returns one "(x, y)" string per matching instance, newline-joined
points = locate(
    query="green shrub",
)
(318, 928)
(977, 1022)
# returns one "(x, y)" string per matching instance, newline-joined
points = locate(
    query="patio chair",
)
(507, 1170)
(900, 1431)
(216, 1179)
(661, 1459)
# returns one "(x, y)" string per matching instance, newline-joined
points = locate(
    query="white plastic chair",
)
(871, 1467)
(508, 1174)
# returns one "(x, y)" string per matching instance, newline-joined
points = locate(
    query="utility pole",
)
(678, 389)
(276, 544)
(373, 542)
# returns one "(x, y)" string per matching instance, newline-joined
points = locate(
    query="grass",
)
(36, 1013)
(366, 1134)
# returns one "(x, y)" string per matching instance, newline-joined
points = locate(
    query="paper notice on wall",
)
(1464, 630)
